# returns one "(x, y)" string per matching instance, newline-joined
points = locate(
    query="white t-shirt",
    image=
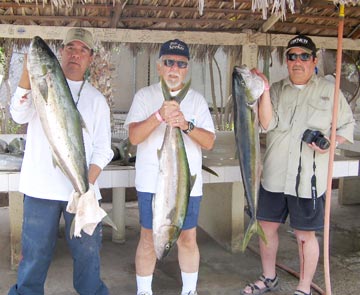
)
(195, 109)
(39, 178)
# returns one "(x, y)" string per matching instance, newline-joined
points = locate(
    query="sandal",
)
(270, 285)
(299, 292)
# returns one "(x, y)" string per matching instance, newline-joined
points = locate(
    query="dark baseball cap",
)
(303, 42)
(175, 47)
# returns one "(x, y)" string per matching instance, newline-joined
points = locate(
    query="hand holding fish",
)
(171, 114)
(263, 77)
(265, 106)
(167, 108)
(177, 119)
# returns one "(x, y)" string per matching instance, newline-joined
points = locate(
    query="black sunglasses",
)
(303, 56)
(170, 63)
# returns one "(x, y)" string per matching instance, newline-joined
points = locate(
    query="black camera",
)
(317, 137)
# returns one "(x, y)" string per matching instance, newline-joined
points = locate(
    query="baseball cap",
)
(303, 42)
(79, 34)
(175, 47)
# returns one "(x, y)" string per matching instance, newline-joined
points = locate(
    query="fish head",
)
(40, 54)
(165, 239)
(252, 82)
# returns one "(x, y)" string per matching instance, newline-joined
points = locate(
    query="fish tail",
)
(109, 221)
(253, 227)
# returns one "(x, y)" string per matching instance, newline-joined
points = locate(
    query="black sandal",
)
(299, 292)
(270, 285)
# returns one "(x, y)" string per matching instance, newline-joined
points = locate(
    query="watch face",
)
(191, 126)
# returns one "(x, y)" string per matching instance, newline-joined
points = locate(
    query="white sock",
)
(189, 281)
(144, 284)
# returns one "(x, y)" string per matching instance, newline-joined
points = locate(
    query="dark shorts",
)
(146, 216)
(275, 207)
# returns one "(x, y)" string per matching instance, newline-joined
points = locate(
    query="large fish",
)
(62, 124)
(60, 119)
(247, 89)
(174, 186)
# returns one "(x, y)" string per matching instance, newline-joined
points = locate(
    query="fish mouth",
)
(164, 251)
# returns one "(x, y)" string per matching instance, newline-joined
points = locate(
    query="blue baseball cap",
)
(175, 47)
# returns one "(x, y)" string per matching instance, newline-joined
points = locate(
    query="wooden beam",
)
(221, 11)
(116, 16)
(62, 19)
(267, 25)
(354, 33)
(156, 36)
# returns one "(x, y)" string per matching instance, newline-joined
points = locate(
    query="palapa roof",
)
(113, 17)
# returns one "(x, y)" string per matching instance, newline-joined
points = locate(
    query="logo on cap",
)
(303, 42)
(299, 40)
(175, 47)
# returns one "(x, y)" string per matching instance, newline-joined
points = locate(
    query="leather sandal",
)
(270, 285)
(299, 292)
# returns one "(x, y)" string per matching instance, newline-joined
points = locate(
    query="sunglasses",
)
(180, 64)
(303, 56)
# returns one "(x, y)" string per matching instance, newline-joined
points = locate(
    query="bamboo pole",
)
(332, 152)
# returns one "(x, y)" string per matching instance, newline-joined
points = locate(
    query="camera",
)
(317, 137)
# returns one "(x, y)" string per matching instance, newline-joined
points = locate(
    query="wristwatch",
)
(190, 128)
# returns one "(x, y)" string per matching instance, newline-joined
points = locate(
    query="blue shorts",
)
(275, 207)
(146, 216)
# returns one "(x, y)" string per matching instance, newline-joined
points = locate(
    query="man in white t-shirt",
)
(146, 121)
(46, 188)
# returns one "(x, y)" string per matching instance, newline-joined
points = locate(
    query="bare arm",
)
(94, 172)
(24, 79)
(202, 137)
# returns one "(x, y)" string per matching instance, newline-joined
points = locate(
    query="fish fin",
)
(108, 221)
(208, 169)
(253, 227)
(72, 228)
(44, 90)
(248, 211)
(54, 162)
(83, 124)
(192, 181)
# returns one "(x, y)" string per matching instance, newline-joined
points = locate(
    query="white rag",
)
(87, 211)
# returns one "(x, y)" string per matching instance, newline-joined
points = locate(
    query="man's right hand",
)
(24, 79)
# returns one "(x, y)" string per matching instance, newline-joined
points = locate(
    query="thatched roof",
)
(312, 17)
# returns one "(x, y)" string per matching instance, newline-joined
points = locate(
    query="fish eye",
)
(167, 246)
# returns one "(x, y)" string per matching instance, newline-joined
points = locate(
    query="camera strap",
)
(313, 179)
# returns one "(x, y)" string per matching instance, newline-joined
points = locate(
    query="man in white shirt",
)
(147, 120)
(47, 190)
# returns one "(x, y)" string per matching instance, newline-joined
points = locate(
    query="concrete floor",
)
(221, 272)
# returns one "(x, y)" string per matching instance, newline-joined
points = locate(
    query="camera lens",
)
(322, 142)
(317, 137)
